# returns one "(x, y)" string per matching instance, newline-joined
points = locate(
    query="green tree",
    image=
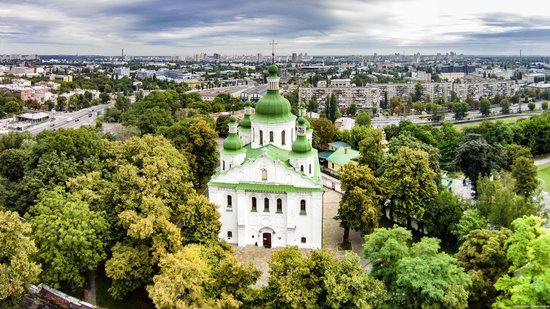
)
(406, 139)
(360, 205)
(470, 220)
(418, 92)
(199, 277)
(348, 285)
(460, 110)
(323, 132)
(499, 204)
(511, 152)
(409, 183)
(17, 268)
(531, 106)
(332, 108)
(544, 105)
(313, 105)
(524, 172)
(61, 104)
(448, 144)
(122, 102)
(372, 150)
(352, 109)
(485, 107)
(443, 215)
(363, 119)
(222, 123)
(104, 97)
(529, 253)
(483, 256)
(196, 138)
(70, 238)
(475, 157)
(505, 106)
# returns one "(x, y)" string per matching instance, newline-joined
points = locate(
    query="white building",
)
(268, 186)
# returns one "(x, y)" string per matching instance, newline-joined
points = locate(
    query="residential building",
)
(341, 157)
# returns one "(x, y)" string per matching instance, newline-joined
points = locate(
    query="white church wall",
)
(277, 128)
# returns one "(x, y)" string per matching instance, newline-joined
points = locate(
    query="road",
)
(72, 120)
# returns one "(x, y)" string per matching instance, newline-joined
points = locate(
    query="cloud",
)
(175, 27)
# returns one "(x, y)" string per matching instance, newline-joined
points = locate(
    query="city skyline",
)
(246, 27)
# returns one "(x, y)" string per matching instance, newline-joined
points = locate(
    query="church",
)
(268, 186)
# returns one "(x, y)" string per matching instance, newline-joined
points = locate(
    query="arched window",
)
(229, 202)
(271, 136)
(279, 206)
(229, 234)
(310, 168)
(223, 165)
(301, 168)
(283, 137)
(266, 204)
(303, 240)
(254, 204)
(261, 137)
(264, 174)
(302, 207)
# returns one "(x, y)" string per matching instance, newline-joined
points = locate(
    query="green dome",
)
(232, 119)
(306, 122)
(232, 142)
(245, 122)
(273, 70)
(301, 145)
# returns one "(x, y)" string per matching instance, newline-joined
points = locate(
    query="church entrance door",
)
(267, 240)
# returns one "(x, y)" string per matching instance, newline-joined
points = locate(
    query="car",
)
(76, 120)
(52, 125)
(69, 119)
(90, 115)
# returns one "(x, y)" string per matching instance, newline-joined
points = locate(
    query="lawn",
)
(544, 175)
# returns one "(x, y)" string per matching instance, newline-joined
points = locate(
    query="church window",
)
(254, 205)
(303, 207)
(223, 165)
(229, 234)
(310, 168)
(301, 168)
(264, 174)
(261, 137)
(271, 136)
(283, 137)
(229, 202)
(279, 206)
(303, 240)
(266, 204)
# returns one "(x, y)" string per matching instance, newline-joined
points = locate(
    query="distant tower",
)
(273, 51)
(122, 54)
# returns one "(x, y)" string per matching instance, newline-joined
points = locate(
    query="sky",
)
(237, 27)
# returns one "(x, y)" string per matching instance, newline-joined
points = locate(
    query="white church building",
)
(268, 186)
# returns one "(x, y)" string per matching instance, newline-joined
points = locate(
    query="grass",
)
(462, 126)
(544, 175)
(135, 300)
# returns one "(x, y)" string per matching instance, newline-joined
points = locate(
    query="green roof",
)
(245, 122)
(325, 154)
(260, 187)
(232, 142)
(273, 108)
(340, 156)
(339, 144)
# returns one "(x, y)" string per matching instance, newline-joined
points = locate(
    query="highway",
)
(72, 120)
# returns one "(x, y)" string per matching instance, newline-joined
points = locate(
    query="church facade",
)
(268, 186)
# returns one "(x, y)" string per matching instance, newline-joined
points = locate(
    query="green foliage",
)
(352, 109)
(470, 220)
(443, 215)
(531, 106)
(122, 103)
(313, 105)
(406, 139)
(323, 132)
(505, 106)
(354, 136)
(196, 139)
(14, 140)
(372, 150)
(500, 205)
(524, 172)
(17, 269)
(409, 183)
(448, 144)
(460, 109)
(511, 152)
(200, 277)
(70, 237)
(361, 203)
(363, 119)
(529, 254)
(485, 107)
(544, 105)
(222, 123)
(494, 132)
(534, 133)
(483, 256)
(475, 157)
(332, 108)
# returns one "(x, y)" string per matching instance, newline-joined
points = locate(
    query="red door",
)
(267, 240)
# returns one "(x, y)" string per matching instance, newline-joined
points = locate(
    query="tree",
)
(460, 109)
(61, 103)
(70, 237)
(372, 150)
(363, 119)
(524, 172)
(17, 268)
(531, 106)
(199, 276)
(448, 144)
(360, 206)
(222, 123)
(505, 106)
(442, 215)
(348, 285)
(313, 105)
(352, 109)
(418, 92)
(396, 105)
(470, 220)
(409, 183)
(485, 106)
(544, 105)
(475, 157)
(511, 152)
(323, 132)
(153, 118)
(483, 256)
(122, 103)
(104, 97)
(499, 204)
(197, 140)
(529, 253)
(332, 108)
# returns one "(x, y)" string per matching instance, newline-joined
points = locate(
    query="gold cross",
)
(273, 51)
